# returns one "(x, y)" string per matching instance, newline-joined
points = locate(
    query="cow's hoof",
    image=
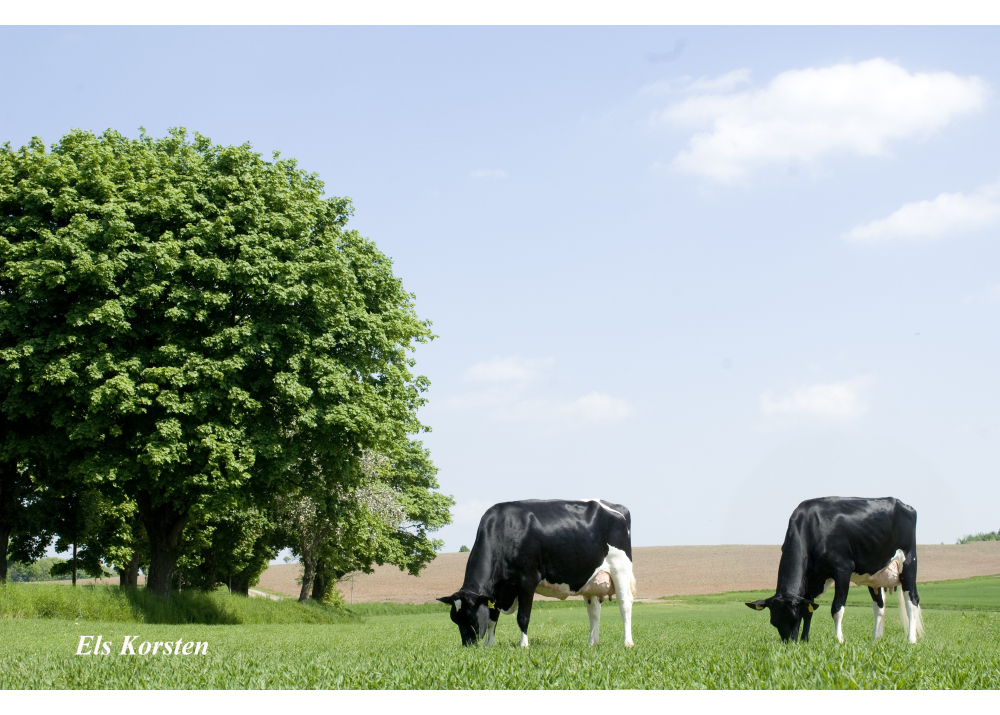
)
(840, 639)
(629, 644)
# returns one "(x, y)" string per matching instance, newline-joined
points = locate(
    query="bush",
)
(37, 571)
(139, 605)
(49, 568)
(984, 536)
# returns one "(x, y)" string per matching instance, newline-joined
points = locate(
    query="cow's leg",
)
(912, 621)
(806, 621)
(842, 583)
(594, 611)
(524, 600)
(492, 627)
(878, 607)
(914, 625)
(620, 566)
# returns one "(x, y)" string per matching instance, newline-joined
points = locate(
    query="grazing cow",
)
(552, 547)
(833, 541)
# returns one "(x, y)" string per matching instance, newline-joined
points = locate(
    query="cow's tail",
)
(905, 619)
(902, 611)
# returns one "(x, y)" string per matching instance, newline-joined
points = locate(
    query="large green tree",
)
(187, 319)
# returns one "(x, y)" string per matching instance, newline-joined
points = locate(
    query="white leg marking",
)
(621, 574)
(838, 618)
(524, 639)
(879, 617)
(594, 611)
(491, 633)
(915, 626)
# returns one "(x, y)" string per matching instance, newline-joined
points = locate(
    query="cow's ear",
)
(759, 605)
(450, 600)
(811, 606)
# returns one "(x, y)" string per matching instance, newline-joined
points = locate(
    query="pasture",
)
(690, 642)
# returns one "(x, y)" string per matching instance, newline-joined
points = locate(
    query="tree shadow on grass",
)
(179, 607)
(137, 604)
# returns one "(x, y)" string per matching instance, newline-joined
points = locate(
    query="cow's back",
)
(869, 531)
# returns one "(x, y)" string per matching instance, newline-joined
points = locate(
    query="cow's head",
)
(786, 613)
(471, 613)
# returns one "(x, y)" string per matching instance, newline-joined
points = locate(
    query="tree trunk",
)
(319, 583)
(240, 585)
(308, 576)
(308, 558)
(208, 571)
(130, 575)
(74, 563)
(4, 543)
(8, 509)
(164, 525)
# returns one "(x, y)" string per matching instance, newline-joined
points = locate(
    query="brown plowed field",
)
(659, 571)
(109, 581)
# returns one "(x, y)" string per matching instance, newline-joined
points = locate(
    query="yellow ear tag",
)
(491, 604)
(759, 608)
(811, 608)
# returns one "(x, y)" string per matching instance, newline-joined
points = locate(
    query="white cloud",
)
(519, 404)
(935, 218)
(803, 115)
(723, 83)
(488, 174)
(598, 407)
(835, 400)
(507, 369)
(511, 391)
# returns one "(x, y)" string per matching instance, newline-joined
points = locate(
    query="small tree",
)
(384, 518)
(75, 517)
(306, 524)
(120, 539)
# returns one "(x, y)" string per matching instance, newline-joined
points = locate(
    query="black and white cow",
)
(552, 547)
(833, 541)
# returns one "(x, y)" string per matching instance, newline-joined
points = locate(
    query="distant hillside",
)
(659, 571)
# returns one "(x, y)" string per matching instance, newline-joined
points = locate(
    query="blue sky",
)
(703, 272)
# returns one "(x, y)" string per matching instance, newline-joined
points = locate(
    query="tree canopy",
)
(191, 330)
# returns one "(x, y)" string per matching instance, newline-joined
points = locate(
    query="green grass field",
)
(692, 642)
